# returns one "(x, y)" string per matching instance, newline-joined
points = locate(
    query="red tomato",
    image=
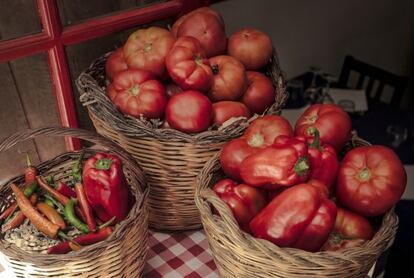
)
(351, 230)
(172, 89)
(208, 28)
(189, 112)
(264, 130)
(188, 65)
(207, 10)
(251, 47)
(333, 123)
(115, 63)
(370, 180)
(229, 81)
(146, 49)
(352, 226)
(233, 154)
(259, 94)
(224, 110)
(136, 92)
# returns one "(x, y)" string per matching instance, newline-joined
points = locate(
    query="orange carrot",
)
(19, 217)
(51, 214)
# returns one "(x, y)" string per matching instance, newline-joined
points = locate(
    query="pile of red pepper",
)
(288, 185)
(98, 199)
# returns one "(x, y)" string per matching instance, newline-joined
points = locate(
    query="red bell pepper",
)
(300, 217)
(323, 160)
(105, 187)
(245, 201)
(285, 163)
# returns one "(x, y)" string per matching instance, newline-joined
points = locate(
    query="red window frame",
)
(55, 37)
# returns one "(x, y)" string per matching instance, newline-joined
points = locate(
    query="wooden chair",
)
(373, 74)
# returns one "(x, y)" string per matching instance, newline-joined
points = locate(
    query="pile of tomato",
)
(192, 77)
(290, 186)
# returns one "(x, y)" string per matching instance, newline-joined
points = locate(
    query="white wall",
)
(322, 32)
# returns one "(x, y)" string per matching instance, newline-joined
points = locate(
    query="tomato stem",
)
(302, 166)
(316, 143)
(215, 69)
(364, 175)
(103, 164)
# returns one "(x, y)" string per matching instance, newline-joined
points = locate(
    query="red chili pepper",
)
(19, 217)
(85, 207)
(285, 163)
(323, 159)
(31, 172)
(300, 217)
(91, 238)
(65, 190)
(8, 211)
(41, 223)
(245, 201)
(105, 187)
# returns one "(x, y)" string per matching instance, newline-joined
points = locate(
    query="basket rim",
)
(94, 97)
(140, 193)
(389, 222)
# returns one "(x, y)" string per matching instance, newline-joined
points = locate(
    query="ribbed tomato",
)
(188, 65)
(136, 93)
(229, 81)
(146, 49)
(333, 123)
(115, 63)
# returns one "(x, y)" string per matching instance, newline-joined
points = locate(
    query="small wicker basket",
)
(238, 254)
(123, 254)
(171, 159)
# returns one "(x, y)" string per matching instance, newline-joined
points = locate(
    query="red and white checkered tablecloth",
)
(175, 255)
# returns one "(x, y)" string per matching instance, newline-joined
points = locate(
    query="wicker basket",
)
(171, 159)
(121, 255)
(238, 254)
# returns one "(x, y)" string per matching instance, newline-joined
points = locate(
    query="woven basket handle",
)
(92, 137)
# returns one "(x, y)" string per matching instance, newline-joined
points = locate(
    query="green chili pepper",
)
(73, 219)
(50, 180)
(49, 203)
(77, 168)
(54, 202)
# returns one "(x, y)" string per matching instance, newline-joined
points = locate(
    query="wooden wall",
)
(26, 96)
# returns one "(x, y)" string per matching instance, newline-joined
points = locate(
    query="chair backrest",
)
(373, 74)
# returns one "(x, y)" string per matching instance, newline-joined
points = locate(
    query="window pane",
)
(80, 56)
(73, 11)
(11, 14)
(27, 101)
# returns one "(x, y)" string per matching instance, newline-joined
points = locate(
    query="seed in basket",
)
(207, 26)
(188, 66)
(350, 230)
(136, 93)
(301, 217)
(115, 63)
(333, 123)
(259, 94)
(146, 49)
(244, 201)
(285, 163)
(225, 110)
(189, 112)
(371, 179)
(229, 80)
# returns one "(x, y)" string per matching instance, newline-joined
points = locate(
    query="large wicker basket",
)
(171, 159)
(238, 254)
(123, 254)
